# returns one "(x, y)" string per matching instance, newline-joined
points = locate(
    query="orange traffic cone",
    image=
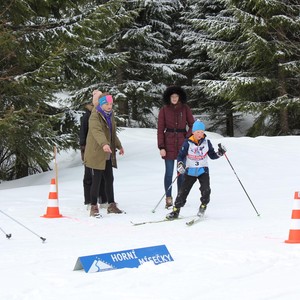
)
(52, 209)
(294, 236)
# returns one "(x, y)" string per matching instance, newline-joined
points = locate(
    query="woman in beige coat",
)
(100, 152)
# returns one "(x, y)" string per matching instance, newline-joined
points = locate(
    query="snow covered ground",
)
(233, 254)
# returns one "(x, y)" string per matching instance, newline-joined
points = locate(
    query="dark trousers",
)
(97, 176)
(87, 184)
(187, 186)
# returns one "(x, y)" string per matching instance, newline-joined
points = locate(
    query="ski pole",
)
(8, 235)
(43, 239)
(220, 146)
(153, 210)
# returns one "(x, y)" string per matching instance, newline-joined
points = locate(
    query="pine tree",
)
(48, 47)
(271, 86)
(138, 83)
(253, 47)
(208, 29)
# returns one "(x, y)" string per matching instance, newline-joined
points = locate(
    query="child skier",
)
(195, 152)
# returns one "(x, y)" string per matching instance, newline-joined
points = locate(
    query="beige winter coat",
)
(98, 136)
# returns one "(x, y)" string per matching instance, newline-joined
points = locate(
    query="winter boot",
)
(174, 214)
(169, 202)
(202, 210)
(94, 212)
(113, 209)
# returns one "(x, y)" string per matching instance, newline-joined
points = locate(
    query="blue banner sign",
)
(132, 258)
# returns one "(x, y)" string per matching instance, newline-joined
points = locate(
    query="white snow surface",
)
(232, 254)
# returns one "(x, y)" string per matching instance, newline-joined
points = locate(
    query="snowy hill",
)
(232, 254)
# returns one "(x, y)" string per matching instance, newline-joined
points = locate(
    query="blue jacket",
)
(194, 154)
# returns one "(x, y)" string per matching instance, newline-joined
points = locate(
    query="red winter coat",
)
(175, 123)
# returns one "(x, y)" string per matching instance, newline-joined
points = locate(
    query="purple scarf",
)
(107, 116)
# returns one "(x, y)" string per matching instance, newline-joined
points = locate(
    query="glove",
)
(221, 150)
(180, 167)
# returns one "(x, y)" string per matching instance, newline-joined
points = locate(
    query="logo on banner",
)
(123, 259)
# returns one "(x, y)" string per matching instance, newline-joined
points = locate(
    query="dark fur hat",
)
(174, 90)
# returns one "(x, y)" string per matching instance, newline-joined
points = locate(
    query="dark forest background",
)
(234, 58)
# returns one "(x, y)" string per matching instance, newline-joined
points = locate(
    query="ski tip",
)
(190, 223)
(195, 220)
(137, 224)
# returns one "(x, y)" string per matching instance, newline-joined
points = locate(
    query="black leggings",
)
(87, 183)
(187, 185)
(109, 181)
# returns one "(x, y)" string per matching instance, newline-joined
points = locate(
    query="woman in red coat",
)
(175, 122)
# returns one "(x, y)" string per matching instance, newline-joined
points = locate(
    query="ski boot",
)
(202, 210)
(174, 214)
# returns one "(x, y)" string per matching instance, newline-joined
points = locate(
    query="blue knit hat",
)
(198, 125)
